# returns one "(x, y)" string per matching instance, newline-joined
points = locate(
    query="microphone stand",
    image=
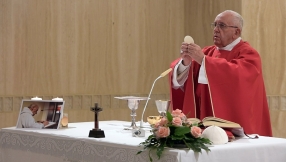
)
(162, 75)
(141, 122)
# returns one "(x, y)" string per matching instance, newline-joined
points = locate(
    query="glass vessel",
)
(132, 102)
(133, 106)
(162, 106)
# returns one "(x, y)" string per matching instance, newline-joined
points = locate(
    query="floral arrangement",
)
(174, 131)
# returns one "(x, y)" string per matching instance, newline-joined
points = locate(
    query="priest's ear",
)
(238, 32)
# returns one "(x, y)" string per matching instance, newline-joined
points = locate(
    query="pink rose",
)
(196, 131)
(183, 117)
(157, 125)
(176, 112)
(177, 121)
(163, 122)
(163, 132)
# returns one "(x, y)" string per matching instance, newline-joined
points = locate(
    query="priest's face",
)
(34, 110)
(225, 30)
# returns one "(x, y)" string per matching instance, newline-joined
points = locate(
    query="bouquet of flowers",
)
(175, 130)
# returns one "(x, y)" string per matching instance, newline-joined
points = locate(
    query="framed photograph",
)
(41, 114)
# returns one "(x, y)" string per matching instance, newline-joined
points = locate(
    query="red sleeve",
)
(237, 88)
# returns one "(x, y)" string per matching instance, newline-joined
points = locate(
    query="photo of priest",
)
(26, 119)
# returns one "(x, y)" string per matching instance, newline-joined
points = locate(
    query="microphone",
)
(166, 72)
(162, 75)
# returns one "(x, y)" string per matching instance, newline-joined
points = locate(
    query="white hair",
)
(238, 18)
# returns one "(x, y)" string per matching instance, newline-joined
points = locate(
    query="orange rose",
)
(196, 131)
(163, 132)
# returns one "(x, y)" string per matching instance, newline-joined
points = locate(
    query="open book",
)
(208, 121)
(50, 124)
(233, 127)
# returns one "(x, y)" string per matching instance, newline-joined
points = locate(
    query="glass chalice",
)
(133, 106)
(162, 106)
(132, 102)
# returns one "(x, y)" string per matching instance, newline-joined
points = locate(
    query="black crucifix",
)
(96, 132)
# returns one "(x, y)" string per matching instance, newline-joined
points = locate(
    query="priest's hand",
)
(195, 52)
(45, 122)
(187, 59)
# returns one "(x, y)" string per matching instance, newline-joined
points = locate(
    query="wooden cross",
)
(96, 110)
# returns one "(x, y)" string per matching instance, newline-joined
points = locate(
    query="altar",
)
(72, 144)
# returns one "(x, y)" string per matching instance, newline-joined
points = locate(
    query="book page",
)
(221, 124)
(194, 120)
(217, 119)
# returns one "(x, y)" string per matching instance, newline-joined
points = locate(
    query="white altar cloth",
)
(73, 145)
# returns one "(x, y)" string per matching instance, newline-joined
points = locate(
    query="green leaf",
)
(139, 152)
(177, 137)
(189, 138)
(194, 148)
(160, 150)
(169, 116)
(205, 147)
(179, 131)
(150, 158)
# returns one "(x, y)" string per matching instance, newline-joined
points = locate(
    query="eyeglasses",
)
(221, 26)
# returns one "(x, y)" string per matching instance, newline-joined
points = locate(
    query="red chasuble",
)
(235, 89)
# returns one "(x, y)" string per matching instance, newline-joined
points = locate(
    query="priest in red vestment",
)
(224, 80)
